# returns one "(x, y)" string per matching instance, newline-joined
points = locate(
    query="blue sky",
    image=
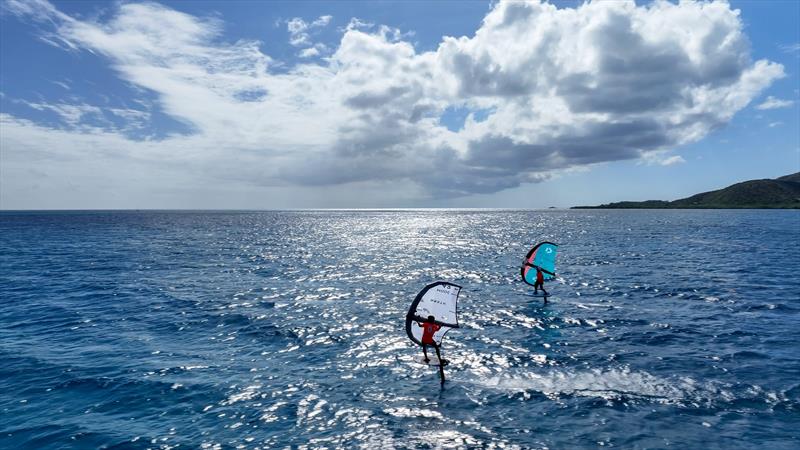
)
(391, 104)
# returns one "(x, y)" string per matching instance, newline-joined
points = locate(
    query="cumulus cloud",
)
(300, 30)
(564, 87)
(774, 103)
(309, 53)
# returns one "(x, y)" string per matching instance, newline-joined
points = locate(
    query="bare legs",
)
(438, 355)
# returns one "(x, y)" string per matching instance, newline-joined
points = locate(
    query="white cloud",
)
(566, 88)
(62, 84)
(308, 52)
(774, 103)
(676, 159)
(775, 124)
(86, 117)
(357, 24)
(297, 32)
(791, 48)
(72, 114)
(322, 21)
(36, 10)
(660, 158)
(300, 30)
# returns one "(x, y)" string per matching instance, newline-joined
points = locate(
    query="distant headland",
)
(780, 193)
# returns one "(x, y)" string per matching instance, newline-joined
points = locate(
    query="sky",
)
(391, 104)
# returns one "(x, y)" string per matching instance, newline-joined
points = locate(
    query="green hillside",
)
(783, 192)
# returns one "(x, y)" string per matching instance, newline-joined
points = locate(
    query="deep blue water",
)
(666, 329)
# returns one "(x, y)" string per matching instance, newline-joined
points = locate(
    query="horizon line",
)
(277, 209)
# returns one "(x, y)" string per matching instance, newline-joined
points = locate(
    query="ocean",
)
(285, 329)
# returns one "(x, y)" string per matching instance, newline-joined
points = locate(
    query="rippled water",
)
(273, 329)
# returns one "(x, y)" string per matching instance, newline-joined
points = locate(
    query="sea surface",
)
(217, 330)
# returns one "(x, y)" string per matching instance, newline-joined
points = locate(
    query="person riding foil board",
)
(431, 315)
(429, 328)
(540, 266)
(539, 283)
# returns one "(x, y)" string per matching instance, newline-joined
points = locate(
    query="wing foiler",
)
(439, 300)
(543, 256)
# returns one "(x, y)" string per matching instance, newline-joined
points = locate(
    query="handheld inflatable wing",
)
(543, 256)
(439, 300)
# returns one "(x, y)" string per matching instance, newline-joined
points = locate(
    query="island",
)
(778, 193)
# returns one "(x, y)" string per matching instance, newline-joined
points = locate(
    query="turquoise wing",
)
(542, 255)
